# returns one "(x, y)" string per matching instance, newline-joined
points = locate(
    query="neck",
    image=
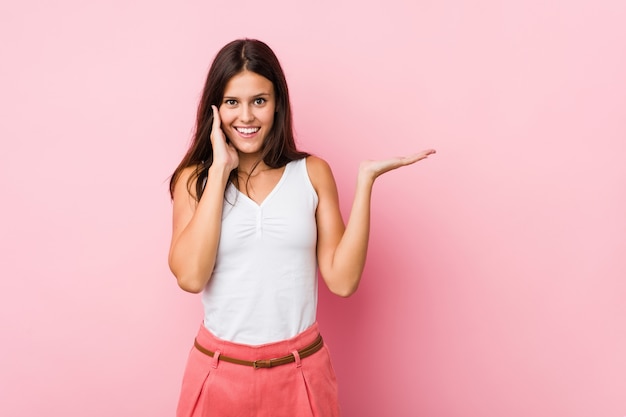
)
(251, 166)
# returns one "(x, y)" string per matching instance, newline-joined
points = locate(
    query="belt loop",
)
(216, 358)
(296, 355)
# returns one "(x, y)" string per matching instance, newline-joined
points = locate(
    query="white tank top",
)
(264, 283)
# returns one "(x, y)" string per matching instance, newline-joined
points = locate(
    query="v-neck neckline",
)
(269, 195)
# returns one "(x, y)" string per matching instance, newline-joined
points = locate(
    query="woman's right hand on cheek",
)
(224, 153)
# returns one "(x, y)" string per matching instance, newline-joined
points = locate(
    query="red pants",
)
(305, 388)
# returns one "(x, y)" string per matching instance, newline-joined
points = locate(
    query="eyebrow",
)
(254, 96)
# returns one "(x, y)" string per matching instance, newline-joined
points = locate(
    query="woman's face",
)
(247, 111)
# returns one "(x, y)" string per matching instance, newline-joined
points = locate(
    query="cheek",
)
(227, 118)
(269, 118)
(224, 116)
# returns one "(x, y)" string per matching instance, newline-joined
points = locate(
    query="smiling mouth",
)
(247, 130)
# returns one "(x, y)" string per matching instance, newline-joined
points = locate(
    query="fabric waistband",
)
(257, 352)
(295, 356)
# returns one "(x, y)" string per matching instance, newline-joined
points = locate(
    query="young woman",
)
(254, 218)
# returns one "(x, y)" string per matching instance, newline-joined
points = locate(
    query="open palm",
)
(375, 168)
(223, 151)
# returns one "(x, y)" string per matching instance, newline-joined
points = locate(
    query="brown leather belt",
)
(267, 363)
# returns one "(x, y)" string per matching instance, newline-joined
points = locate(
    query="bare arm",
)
(197, 225)
(341, 250)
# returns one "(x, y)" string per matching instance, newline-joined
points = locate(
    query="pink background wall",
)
(496, 281)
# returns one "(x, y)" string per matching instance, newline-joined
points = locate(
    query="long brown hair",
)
(279, 147)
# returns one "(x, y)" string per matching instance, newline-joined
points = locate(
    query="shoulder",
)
(185, 183)
(317, 166)
(320, 173)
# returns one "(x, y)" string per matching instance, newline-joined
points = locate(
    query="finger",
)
(216, 129)
(424, 154)
(217, 122)
(419, 156)
(411, 159)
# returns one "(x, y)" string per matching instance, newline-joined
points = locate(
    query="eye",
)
(259, 101)
(230, 102)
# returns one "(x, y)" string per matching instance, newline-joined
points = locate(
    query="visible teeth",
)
(248, 130)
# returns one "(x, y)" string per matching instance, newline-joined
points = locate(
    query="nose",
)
(246, 114)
